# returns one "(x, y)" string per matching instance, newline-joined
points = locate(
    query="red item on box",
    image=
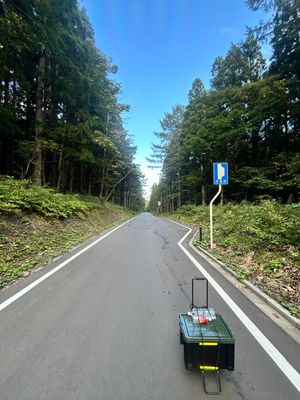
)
(203, 319)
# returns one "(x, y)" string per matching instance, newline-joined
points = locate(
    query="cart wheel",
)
(181, 337)
(187, 363)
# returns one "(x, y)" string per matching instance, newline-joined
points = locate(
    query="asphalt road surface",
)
(105, 326)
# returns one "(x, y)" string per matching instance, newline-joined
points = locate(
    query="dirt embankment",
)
(29, 241)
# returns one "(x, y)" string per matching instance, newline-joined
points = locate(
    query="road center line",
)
(15, 297)
(282, 363)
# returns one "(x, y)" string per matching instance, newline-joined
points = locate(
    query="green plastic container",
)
(207, 346)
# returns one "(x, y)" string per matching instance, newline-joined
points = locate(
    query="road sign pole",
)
(211, 216)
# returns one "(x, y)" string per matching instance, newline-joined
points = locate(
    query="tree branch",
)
(116, 184)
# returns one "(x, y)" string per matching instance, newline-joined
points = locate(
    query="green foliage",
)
(274, 264)
(290, 307)
(248, 118)
(39, 232)
(18, 196)
(261, 226)
(60, 117)
(250, 227)
(261, 242)
(243, 64)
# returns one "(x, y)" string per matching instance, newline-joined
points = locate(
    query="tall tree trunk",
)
(53, 170)
(203, 192)
(71, 177)
(81, 177)
(125, 196)
(102, 184)
(43, 180)
(90, 182)
(60, 164)
(179, 190)
(254, 143)
(39, 116)
(106, 185)
(102, 176)
(129, 202)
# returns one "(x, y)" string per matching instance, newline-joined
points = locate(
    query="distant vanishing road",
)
(105, 326)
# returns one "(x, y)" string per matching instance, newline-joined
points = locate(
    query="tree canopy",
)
(60, 118)
(248, 118)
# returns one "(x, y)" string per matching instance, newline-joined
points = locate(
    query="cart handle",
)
(199, 279)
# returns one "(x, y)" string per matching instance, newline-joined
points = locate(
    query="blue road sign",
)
(221, 173)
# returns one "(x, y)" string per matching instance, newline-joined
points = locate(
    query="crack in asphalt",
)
(163, 238)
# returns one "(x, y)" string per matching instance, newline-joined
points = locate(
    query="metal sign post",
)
(211, 217)
(220, 178)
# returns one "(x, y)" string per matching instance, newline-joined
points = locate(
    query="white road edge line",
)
(15, 297)
(289, 371)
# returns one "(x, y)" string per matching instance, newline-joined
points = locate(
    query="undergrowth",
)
(38, 224)
(261, 242)
(19, 196)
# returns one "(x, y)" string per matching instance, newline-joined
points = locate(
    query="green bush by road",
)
(38, 224)
(19, 196)
(261, 242)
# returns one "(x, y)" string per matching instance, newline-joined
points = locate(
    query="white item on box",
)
(207, 313)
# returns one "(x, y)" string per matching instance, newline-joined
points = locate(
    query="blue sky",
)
(160, 47)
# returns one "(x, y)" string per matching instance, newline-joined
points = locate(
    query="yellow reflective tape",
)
(208, 344)
(208, 368)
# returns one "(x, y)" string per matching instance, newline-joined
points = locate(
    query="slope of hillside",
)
(261, 242)
(38, 224)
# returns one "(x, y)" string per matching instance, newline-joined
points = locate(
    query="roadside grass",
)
(39, 224)
(260, 242)
(21, 196)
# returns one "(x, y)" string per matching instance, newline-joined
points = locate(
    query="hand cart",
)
(207, 339)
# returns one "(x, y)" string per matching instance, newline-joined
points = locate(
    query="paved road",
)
(105, 327)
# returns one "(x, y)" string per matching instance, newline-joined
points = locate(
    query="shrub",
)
(17, 196)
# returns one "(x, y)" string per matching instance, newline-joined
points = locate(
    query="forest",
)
(249, 117)
(60, 119)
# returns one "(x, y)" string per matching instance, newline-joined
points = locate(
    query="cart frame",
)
(208, 347)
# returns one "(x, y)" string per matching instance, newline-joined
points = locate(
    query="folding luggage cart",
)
(207, 339)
